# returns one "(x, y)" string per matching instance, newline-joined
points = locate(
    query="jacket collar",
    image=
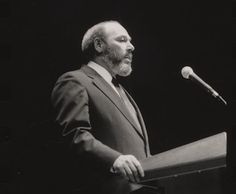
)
(109, 92)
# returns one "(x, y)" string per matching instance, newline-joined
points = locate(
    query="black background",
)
(40, 40)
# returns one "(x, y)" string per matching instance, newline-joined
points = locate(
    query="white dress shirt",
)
(103, 73)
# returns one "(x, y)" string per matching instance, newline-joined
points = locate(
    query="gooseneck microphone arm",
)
(188, 73)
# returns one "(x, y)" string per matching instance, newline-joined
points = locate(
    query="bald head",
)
(96, 31)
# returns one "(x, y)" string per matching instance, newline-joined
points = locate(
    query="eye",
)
(122, 39)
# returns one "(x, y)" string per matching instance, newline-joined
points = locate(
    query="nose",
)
(130, 46)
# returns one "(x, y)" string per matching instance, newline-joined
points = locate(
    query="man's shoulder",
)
(75, 75)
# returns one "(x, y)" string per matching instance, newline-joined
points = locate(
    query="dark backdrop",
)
(41, 41)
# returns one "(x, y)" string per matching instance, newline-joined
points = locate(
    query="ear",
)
(98, 45)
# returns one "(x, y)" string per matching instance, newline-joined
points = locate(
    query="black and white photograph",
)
(118, 97)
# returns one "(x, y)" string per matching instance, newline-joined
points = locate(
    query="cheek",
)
(116, 54)
(119, 50)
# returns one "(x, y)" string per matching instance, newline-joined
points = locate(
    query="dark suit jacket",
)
(99, 127)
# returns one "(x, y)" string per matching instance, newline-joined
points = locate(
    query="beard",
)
(120, 64)
(124, 69)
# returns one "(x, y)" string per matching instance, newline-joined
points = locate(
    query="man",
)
(104, 125)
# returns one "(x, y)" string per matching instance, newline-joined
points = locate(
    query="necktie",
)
(127, 103)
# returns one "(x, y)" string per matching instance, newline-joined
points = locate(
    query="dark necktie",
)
(127, 103)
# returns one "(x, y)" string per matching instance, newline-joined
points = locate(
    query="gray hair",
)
(96, 31)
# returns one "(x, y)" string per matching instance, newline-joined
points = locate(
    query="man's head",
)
(108, 44)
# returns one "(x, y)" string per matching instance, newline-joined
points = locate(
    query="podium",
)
(204, 154)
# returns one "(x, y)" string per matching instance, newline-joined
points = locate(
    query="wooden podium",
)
(204, 154)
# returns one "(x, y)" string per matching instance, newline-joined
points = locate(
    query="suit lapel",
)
(139, 115)
(109, 92)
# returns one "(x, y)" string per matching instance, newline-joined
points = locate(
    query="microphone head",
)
(186, 71)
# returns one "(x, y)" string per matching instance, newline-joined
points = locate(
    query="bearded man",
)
(103, 123)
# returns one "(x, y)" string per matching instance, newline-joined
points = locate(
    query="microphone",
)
(187, 73)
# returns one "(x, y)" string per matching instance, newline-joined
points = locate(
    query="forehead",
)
(113, 30)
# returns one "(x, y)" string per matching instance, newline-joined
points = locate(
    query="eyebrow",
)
(124, 36)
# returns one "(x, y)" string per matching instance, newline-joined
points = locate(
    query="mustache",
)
(129, 56)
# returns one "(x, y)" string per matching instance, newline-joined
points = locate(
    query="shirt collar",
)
(101, 71)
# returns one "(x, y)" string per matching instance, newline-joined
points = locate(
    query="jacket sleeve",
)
(71, 102)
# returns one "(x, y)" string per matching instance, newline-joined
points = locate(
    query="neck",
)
(105, 64)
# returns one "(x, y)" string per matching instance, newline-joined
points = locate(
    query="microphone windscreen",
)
(186, 71)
